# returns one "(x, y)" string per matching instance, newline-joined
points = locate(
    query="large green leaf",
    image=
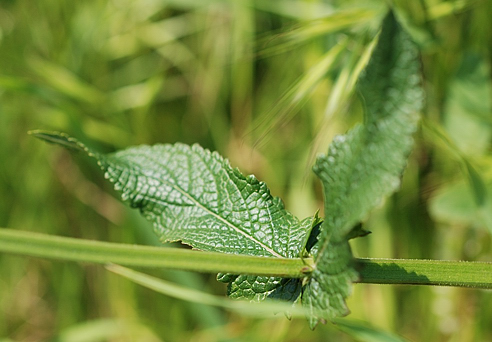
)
(193, 195)
(364, 166)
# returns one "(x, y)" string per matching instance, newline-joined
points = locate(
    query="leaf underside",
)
(364, 166)
(193, 195)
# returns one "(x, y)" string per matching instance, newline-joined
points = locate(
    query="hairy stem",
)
(375, 271)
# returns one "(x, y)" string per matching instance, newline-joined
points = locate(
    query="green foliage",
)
(125, 73)
(364, 166)
(194, 196)
(466, 136)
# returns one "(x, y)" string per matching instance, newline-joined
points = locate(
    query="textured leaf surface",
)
(193, 195)
(256, 288)
(364, 166)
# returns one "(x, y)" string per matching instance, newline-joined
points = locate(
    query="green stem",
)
(376, 271)
(426, 272)
(64, 248)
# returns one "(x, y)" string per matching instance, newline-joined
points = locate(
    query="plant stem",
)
(64, 248)
(426, 272)
(375, 271)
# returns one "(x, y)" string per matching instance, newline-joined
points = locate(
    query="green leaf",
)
(256, 288)
(467, 109)
(364, 332)
(193, 195)
(451, 202)
(60, 139)
(364, 166)
(456, 203)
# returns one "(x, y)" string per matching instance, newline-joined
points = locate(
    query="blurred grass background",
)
(267, 84)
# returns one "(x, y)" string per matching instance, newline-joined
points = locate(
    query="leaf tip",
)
(60, 138)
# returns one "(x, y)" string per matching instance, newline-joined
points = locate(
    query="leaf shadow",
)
(372, 271)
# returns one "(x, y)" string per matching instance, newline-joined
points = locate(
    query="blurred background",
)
(267, 84)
